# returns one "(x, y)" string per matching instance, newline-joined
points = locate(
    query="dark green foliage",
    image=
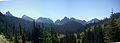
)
(105, 31)
(115, 15)
(54, 35)
(37, 34)
(23, 39)
(50, 36)
(16, 39)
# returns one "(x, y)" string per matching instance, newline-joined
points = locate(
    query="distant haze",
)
(58, 9)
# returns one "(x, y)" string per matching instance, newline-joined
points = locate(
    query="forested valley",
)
(17, 30)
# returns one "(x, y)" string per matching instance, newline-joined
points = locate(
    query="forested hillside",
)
(17, 30)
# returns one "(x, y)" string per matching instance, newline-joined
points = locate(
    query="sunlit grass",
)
(3, 39)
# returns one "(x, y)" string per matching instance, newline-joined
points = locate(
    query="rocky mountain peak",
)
(8, 14)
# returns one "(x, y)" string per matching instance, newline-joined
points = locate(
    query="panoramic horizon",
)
(58, 9)
(80, 21)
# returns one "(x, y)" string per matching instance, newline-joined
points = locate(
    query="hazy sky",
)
(58, 9)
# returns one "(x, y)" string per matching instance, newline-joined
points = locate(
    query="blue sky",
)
(58, 9)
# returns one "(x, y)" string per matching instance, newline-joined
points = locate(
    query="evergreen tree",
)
(54, 35)
(37, 34)
(15, 36)
(23, 39)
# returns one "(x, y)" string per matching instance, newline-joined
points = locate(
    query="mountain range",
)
(61, 26)
(60, 22)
